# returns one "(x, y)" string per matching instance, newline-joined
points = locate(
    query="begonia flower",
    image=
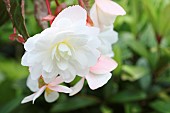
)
(68, 48)
(51, 90)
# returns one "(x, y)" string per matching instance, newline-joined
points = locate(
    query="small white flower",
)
(68, 48)
(51, 89)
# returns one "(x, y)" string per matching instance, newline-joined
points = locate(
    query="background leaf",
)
(15, 9)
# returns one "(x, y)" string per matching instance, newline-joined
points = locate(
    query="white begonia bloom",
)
(51, 89)
(103, 13)
(68, 48)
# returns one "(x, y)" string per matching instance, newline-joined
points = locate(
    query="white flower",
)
(68, 48)
(103, 13)
(51, 90)
(98, 75)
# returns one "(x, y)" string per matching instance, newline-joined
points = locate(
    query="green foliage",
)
(140, 83)
(15, 10)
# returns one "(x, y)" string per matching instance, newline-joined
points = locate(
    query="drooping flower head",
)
(51, 89)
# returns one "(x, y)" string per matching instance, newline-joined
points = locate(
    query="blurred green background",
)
(140, 84)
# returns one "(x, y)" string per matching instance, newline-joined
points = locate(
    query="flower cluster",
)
(72, 47)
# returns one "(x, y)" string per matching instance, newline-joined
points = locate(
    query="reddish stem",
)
(159, 38)
(57, 3)
(14, 30)
(81, 3)
(49, 10)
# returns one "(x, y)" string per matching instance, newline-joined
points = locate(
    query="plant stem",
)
(81, 3)
(49, 10)
(57, 3)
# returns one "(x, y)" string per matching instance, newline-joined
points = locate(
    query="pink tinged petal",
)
(51, 96)
(32, 84)
(57, 81)
(110, 7)
(60, 88)
(97, 80)
(74, 13)
(77, 87)
(37, 94)
(104, 65)
(28, 98)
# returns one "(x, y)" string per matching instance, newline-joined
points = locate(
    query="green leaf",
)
(139, 48)
(133, 73)
(118, 58)
(128, 96)
(16, 14)
(151, 13)
(74, 104)
(11, 105)
(161, 106)
(145, 82)
(106, 109)
(132, 108)
(164, 21)
(3, 13)
(12, 69)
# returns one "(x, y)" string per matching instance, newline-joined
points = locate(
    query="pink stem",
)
(14, 30)
(49, 10)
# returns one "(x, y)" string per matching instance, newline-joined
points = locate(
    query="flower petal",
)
(35, 72)
(30, 43)
(95, 80)
(51, 97)
(28, 98)
(60, 88)
(77, 87)
(74, 13)
(58, 80)
(37, 94)
(110, 7)
(104, 65)
(32, 84)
